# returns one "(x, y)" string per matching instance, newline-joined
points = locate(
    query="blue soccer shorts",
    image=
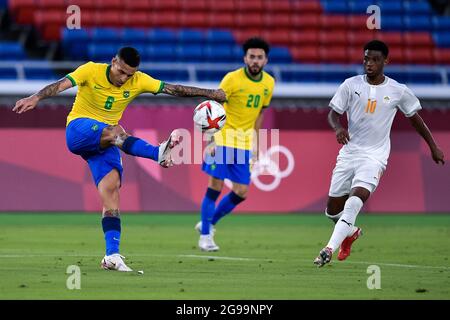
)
(83, 139)
(229, 163)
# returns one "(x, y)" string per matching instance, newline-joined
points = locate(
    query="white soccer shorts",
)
(351, 173)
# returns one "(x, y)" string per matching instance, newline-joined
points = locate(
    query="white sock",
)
(335, 217)
(345, 226)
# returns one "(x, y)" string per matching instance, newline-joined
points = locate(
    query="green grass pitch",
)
(261, 257)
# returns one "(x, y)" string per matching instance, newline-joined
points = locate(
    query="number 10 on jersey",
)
(371, 106)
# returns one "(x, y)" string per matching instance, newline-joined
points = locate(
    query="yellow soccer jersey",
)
(97, 98)
(245, 99)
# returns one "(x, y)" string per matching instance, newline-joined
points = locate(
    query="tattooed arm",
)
(51, 90)
(184, 91)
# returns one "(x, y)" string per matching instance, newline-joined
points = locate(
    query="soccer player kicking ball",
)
(93, 132)
(371, 101)
(248, 91)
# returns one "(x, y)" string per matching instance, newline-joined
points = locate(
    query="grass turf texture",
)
(260, 257)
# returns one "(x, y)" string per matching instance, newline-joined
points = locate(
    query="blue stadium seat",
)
(280, 55)
(211, 75)
(424, 77)
(162, 36)
(134, 36)
(442, 39)
(11, 51)
(441, 23)
(335, 76)
(219, 53)
(3, 4)
(8, 73)
(359, 7)
(75, 43)
(221, 37)
(40, 74)
(391, 23)
(168, 75)
(105, 35)
(390, 8)
(161, 53)
(300, 76)
(191, 37)
(417, 23)
(330, 6)
(417, 8)
(101, 52)
(190, 53)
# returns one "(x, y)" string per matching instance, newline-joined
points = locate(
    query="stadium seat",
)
(166, 5)
(7, 73)
(441, 23)
(101, 52)
(306, 21)
(50, 22)
(306, 7)
(11, 51)
(389, 23)
(391, 7)
(162, 36)
(357, 23)
(300, 76)
(418, 39)
(442, 56)
(359, 7)
(335, 76)
(105, 35)
(165, 19)
(416, 8)
(219, 53)
(190, 53)
(161, 53)
(306, 54)
(359, 38)
(51, 4)
(249, 6)
(276, 21)
(109, 18)
(280, 6)
(330, 6)
(139, 6)
(429, 77)
(333, 38)
(442, 39)
(356, 55)
(249, 20)
(40, 74)
(75, 43)
(221, 6)
(105, 5)
(278, 37)
(221, 20)
(134, 19)
(280, 55)
(333, 54)
(22, 10)
(419, 56)
(194, 6)
(191, 37)
(302, 38)
(417, 23)
(217, 36)
(333, 22)
(242, 35)
(211, 75)
(396, 55)
(133, 35)
(194, 20)
(392, 38)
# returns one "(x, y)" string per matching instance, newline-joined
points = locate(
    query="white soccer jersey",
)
(370, 112)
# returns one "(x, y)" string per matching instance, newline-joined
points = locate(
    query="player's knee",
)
(215, 184)
(241, 191)
(333, 208)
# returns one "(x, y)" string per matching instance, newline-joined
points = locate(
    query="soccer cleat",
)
(115, 262)
(212, 230)
(206, 243)
(164, 157)
(324, 257)
(346, 245)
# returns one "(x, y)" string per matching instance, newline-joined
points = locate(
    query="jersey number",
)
(253, 99)
(371, 106)
(109, 103)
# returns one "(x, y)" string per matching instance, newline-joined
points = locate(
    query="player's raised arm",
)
(185, 91)
(51, 90)
(342, 135)
(420, 126)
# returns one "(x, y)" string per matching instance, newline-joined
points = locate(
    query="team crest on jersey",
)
(126, 94)
(266, 92)
(386, 99)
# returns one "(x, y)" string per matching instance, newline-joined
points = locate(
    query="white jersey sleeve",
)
(339, 102)
(409, 104)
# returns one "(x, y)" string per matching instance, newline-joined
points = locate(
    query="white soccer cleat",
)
(206, 243)
(115, 262)
(164, 157)
(212, 230)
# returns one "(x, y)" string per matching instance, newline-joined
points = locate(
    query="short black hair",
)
(256, 43)
(130, 56)
(377, 45)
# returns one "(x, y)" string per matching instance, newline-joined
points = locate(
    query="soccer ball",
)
(209, 116)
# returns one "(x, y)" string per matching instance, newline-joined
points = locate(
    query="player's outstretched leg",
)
(346, 245)
(204, 227)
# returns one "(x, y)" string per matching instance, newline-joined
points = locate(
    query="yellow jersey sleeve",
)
(268, 97)
(227, 85)
(81, 74)
(149, 84)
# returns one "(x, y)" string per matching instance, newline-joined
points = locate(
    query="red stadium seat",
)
(194, 5)
(306, 7)
(110, 4)
(221, 20)
(419, 56)
(441, 56)
(249, 20)
(16, 4)
(83, 4)
(391, 38)
(50, 22)
(242, 35)
(166, 5)
(308, 54)
(359, 38)
(418, 39)
(139, 5)
(304, 38)
(279, 20)
(279, 6)
(333, 22)
(396, 55)
(221, 6)
(279, 37)
(194, 20)
(108, 18)
(22, 10)
(333, 54)
(355, 55)
(249, 6)
(357, 23)
(333, 38)
(305, 21)
(137, 19)
(51, 4)
(165, 19)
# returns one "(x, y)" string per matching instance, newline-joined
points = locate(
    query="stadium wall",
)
(40, 174)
